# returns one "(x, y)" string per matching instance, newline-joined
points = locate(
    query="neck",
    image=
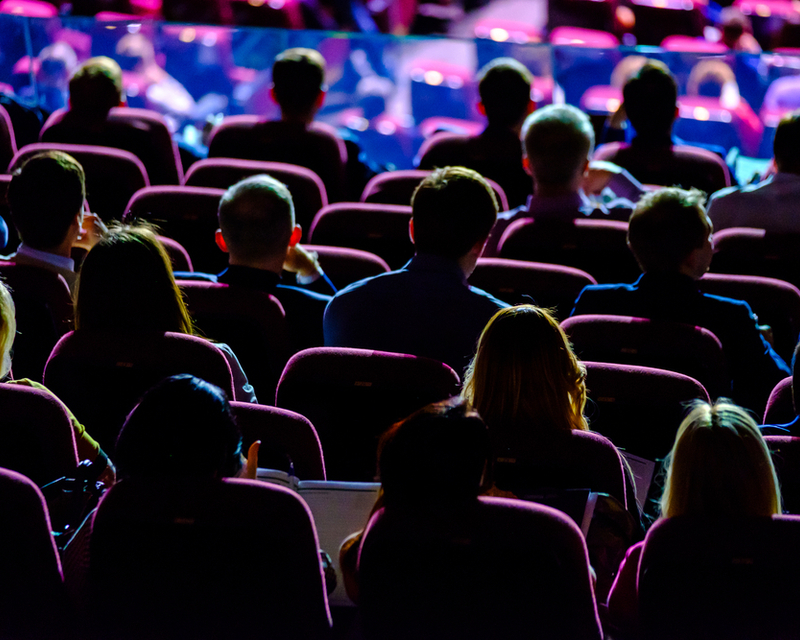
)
(275, 265)
(553, 190)
(304, 119)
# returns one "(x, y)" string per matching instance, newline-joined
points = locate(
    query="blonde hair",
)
(720, 466)
(8, 328)
(525, 379)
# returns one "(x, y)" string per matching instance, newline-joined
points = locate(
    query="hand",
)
(598, 176)
(250, 467)
(617, 119)
(92, 231)
(303, 262)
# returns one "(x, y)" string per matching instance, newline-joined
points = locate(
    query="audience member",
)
(95, 90)
(719, 467)
(505, 91)
(769, 204)
(651, 104)
(558, 141)
(127, 284)
(670, 236)
(298, 79)
(183, 428)
(46, 198)
(87, 447)
(426, 308)
(258, 232)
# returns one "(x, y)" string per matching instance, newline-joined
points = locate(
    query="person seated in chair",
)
(670, 237)
(426, 308)
(258, 232)
(46, 198)
(496, 153)
(558, 142)
(650, 100)
(298, 86)
(94, 90)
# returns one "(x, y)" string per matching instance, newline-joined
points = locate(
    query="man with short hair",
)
(95, 90)
(427, 308)
(670, 236)
(46, 197)
(298, 87)
(772, 203)
(257, 229)
(505, 87)
(650, 100)
(558, 142)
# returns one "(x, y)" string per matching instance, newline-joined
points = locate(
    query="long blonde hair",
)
(720, 466)
(8, 329)
(525, 379)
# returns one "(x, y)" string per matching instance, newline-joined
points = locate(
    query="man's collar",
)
(45, 256)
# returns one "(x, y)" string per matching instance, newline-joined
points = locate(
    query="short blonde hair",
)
(525, 380)
(720, 466)
(8, 328)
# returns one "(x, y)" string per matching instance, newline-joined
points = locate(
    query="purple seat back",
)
(494, 568)
(651, 343)
(381, 229)
(100, 375)
(639, 408)
(251, 322)
(206, 559)
(160, 156)
(780, 406)
(112, 175)
(308, 191)
(43, 312)
(345, 266)
(786, 458)
(32, 597)
(38, 439)
(722, 578)
(187, 215)
(397, 187)
(8, 143)
(775, 302)
(288, 440)
(741, 250)
(598, 247)
(353, 395)
(178, 256)
(521, 282)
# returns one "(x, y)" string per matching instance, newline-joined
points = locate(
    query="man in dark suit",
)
(670, 236)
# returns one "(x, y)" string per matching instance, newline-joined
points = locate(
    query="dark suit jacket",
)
(754, 366)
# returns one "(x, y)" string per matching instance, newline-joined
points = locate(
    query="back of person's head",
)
(786, 145)
(525, 380)
(181, 428)
(256, 217)
(126, 283)
(559, 139)
(8, 329)
(45, 195)
(666, 226)
(444, 443)
(298, 77)
(96, 87)
(650, 97)
(505, 89)
(720, 466)
(453, 209)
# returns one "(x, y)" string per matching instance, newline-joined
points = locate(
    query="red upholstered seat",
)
(780, 406)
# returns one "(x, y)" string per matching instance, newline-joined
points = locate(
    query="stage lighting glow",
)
(210, 39)
(134, 28)
(433, 77)
(387, 127)
(417, 75)
(498, 35)
(256, 3)
(454, 82)
(357, 123)
(187, 35)
(763, 11)
(701, 113)
(111, 27)
(612, 104)
(276, 4)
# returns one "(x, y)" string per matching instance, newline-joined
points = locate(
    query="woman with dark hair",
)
(183, 428)
(126, 283)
